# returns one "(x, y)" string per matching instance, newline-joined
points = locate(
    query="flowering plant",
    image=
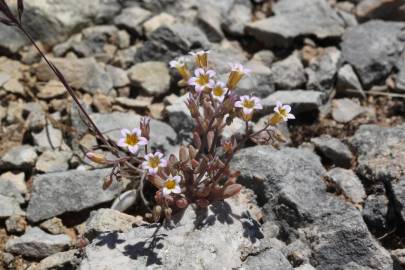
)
(200, 174)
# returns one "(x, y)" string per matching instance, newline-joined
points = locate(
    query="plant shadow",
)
(222, 212)
(146, 248)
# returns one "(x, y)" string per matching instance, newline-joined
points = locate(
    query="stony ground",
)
(332, 197)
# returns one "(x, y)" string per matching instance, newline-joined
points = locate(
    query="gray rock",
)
(132, 18)
(238, 17)
(118, 76)
(94, 41)
(179, 117)
(271, 258)
(9, 207)
(393, 10)
(152, 77)
(295, 19)
(162, 135)
(290, 184)
(259, 82)
(322, 70)
(348, 183)
(400, 76)
(209, 19)
(51, 90)
(305, 267)
(301, 101)
(288, 73)
(264, 56)
(398, 189)
(49, 138)
(375, 213)
(378, 150)
(162, 19)
(220, 57)
(13, 86)
(16, 224)
(36, 243)
(36, 119)
(18, 180)
(126, 58)
(53, 226)
(52, 21)
(8, 259)
(85, 74)
(169, 42)
(53, 161)
(334, 150)
(8, 189)
(21, 157)
(348, 80)
(298, 253)
(216, 238)
(399, 256)
(345, 110)
(57, 193)
(385, 46)
(61, 260)
(108, 220)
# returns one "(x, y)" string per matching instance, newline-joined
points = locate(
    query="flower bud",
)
(96, 157)
(192, 107)
(145, 127)
(168, 213)
(157, 212)
(182, 203)
(227, 146)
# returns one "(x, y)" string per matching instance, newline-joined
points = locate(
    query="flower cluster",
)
(201, 174)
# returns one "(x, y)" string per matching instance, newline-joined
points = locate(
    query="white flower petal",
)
(247, 111)
(136, 131)
(287, 108)
(177, 178)
(166, 191)
(290, 116)
(133, 148)
(143, 141)
(279, 104)
(163, 163)
(198, 72)
(122, 143)
(125, 131)
(238, 104)
(210, 73)
(177, 189)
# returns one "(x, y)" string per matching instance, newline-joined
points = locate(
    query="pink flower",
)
(283, 111)
(171, 185)
(219, 91)
(202, 79)
(153, 162)
(132, 140)
(248, 104)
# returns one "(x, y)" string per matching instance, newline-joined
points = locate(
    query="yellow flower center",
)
(131, 139)
(154, 162)
(170, 184)
(218, 91)
(247, 103)
(282, 112)
(203, 79)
